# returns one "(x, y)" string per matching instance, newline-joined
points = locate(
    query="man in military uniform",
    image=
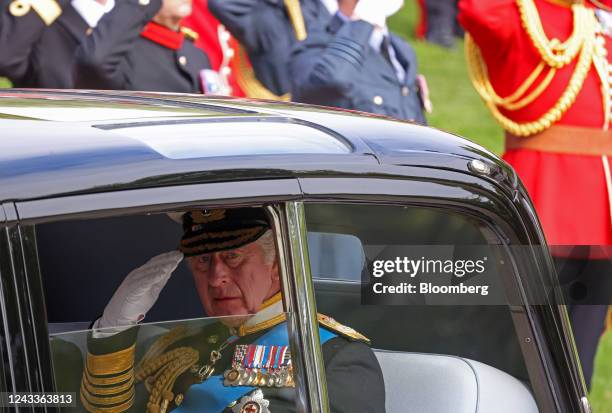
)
(38, 39)
(543, 69)
(355, 63)
(140, 45)
(267, 30)
(240, 364)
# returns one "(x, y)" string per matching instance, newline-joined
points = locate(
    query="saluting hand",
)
(139, 291)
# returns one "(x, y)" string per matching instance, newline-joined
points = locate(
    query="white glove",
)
(139, 291)
(376, 12)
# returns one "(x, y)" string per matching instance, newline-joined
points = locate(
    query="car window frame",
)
(287, 193)
(551, 390)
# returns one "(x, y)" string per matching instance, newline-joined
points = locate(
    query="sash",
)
(211, 396)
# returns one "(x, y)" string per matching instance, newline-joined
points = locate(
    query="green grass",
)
(457, 107)
(601, 393)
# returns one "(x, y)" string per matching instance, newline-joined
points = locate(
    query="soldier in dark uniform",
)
(38, 39)
(140, 46)
(355, 63)
(267, 30)
(241, 364)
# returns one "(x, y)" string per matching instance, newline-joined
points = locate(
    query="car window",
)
(178, 357)
(348, 243)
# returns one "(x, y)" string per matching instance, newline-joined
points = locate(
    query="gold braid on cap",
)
(584, 43)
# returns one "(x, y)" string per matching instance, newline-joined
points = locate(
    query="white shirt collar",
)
(91, 11)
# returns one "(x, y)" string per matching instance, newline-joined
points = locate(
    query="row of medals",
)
(274, 377)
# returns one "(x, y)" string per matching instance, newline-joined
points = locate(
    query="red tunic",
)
(207, 26)
(569, 191)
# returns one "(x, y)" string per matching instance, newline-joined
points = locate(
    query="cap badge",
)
(208, 215)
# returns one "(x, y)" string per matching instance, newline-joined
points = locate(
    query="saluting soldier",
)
(38, 39)
(267, 30)
(242, 363)
(356, 63)
(141, 45)
(543, 69)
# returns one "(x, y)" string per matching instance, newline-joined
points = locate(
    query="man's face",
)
(234, 282)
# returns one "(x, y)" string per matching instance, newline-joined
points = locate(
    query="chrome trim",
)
(568, 337)
(301, 293)
(585, 406)
(288, 289)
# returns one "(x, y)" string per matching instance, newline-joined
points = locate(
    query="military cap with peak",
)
(212, 230)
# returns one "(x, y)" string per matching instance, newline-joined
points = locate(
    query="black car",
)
(89, 182)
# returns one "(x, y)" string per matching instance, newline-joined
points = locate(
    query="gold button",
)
(143, 2)
(19, 8)
(378, 100)
(405, 91)
(89, 31)
(178, 399)
(182, 60)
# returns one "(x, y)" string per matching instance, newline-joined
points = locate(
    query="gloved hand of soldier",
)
(376, 12)
(138, 292)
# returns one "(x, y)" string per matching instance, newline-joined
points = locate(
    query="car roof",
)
(56, 142)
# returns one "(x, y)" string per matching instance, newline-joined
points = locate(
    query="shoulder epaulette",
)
(190, 33)
(341, 329)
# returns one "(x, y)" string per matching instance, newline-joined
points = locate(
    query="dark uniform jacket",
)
(33, 54)
(266, 31)
(171, 362)
(117, 56)
(338, 67)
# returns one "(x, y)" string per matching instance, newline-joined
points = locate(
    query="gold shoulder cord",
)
(584, 42)
(160, 369)
(245, 77)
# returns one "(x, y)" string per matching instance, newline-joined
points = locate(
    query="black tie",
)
(384, 49)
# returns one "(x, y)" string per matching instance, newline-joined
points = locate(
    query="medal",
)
(252, 403)
(261, 366)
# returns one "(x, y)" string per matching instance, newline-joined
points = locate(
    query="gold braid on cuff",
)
(108, 381)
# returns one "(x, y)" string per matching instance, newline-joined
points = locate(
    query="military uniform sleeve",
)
(354, 378)
(243, 19)
(322, 68)
(21, 25)
(108, 373)
(101, 60)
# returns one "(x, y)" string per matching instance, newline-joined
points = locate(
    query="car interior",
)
(434, 358)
